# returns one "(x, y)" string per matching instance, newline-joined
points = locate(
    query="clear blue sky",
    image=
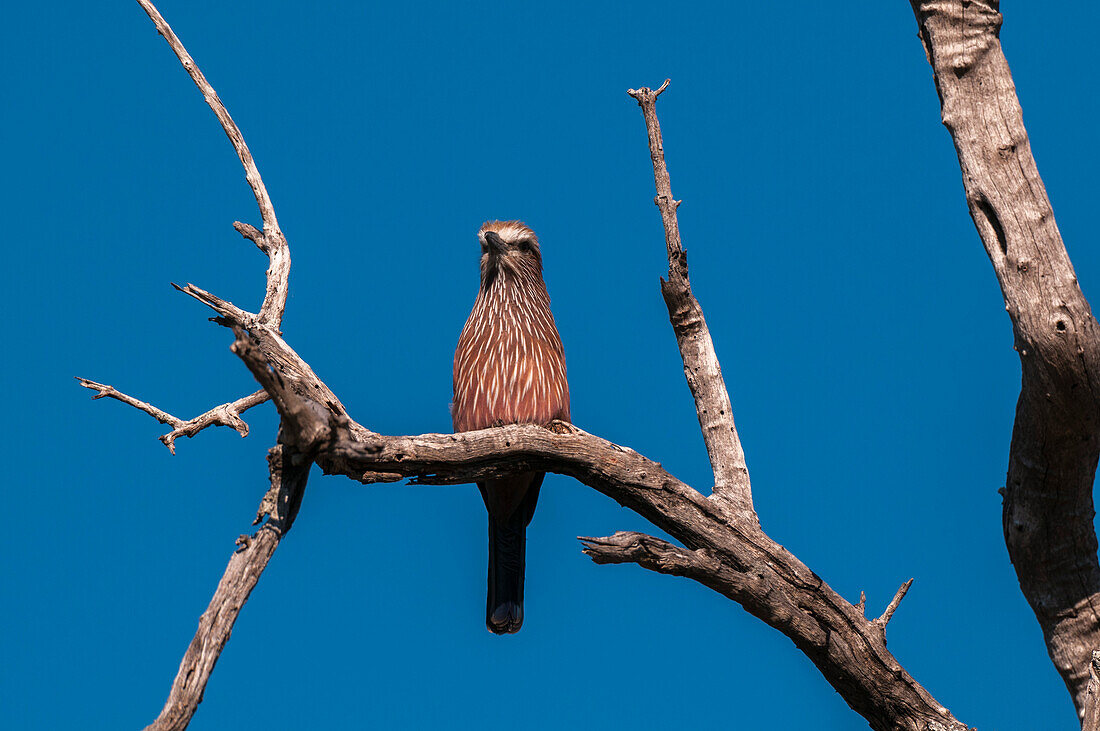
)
(859, 325)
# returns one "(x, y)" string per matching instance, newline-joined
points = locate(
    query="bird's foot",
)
(562, 427)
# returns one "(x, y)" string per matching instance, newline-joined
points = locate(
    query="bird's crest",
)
(510, 232)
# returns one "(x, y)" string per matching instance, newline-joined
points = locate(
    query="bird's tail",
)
(504, 599)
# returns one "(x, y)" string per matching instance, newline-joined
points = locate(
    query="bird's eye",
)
(524, 245)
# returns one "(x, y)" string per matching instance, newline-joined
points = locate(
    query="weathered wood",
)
(1090, 713)
(742, 562)
(701, 367)
(1048, 505)
(225, 415)
(288, 482)
(271, 240)
(287, 466)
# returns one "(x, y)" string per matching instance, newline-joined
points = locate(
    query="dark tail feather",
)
(511, 503)
(504, 599)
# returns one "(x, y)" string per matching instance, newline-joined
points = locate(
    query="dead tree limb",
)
(723, 545)
(271, 240)
(1048, 505)
(725, 549)
(892, 607)
(288, 472)
(225, 415)
(755, 571)
(288, 467)
(704, 374)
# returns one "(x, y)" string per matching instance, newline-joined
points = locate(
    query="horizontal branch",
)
(745, 564)
(225, 415)
(661, 556)
(724, 549)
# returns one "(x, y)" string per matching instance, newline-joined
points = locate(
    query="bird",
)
(509, 368)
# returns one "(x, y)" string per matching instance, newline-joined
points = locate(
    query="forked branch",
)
(724, 547)
(271, 240)
(288, 468)
(225, 415)
(728, 554)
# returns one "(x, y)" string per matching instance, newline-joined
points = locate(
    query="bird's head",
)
(508, 246)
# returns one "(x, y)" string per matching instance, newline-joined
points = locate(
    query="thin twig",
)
(224, 415)
(105, 391)
(271, 241)
(892, 607)
(252, 173)
(222, 307)
(701, 367)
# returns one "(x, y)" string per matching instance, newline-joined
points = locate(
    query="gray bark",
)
(701, 367)
(1048, 506)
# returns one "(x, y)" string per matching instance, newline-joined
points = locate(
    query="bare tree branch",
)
(105, 391)
(288, 481)
(225, 415)
(724, 547)
(1048, 502)
(288, 467)
(892, 607)
(733, 557)
(271, 241)
(701, 367)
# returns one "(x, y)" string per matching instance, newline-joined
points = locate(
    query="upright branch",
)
(271, 240)
(288, 466)
(1048, 504)
(701, 367)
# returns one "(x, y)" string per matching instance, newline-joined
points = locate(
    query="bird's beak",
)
(495, 243)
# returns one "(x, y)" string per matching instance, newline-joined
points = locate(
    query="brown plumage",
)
(509, 369)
